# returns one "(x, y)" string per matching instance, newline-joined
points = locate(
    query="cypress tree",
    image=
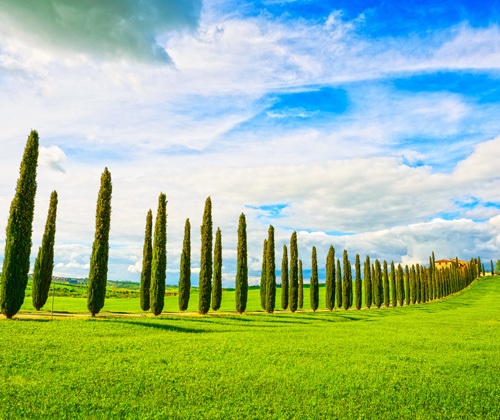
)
(205, 283)
(284, 279)
(358, 284)
(368, 283)
(159, 259)
(407, 284)
(393, 285)
(386, 285)
(330, 279)
(263, 274)
(314, 284)
(147, 255)
(44, 264)
(345, 282)
(401, 285)
(100, 249)
(418, 284)
(339, 287)
(484, 272)
(294, 275)
(350, 292)
(241, 290)
(301, 286)
(479, 265)
(492, 272)
(413, 285)
(217, 286)
(377, 282)
(16, 262)
(185, 272)
(270, 272)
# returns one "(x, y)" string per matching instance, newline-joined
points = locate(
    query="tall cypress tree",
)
(100, 250)
(330, 279)
(394, 301)
(339, 287)
(284, 279)
(294, 274)
(418, 284)
(241, 291)
(492, 271)
(205, 283)
(413, 285)
(386, 285)
(217, 287)
(16, 262)
(270, 272)
(407, 284)
(44, 264)
(401, 286)
(185, 272)
(263, 274)
(346, 300)
(147, 255)
(377, 290)
(159, 259)
(358, 284)
(314, 284)
(368, 283)
(301, 286)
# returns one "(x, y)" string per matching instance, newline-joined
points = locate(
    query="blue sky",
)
(369, 126)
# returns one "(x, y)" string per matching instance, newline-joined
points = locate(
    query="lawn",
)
(440, 360)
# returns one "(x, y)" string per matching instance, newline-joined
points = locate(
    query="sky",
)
(371, 126)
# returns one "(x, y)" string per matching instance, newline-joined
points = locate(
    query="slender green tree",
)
(368, 283)
(378, 290)
(339, 287)
(394, 301)
(413, 285)
(44, 264)
(294, 274)
(185, 272)
(345, 282)
(217, 286)
(330, 279)
(284, 279)
(314, 283)
(16, 262)
(263, 274)
(418, 284)
(147, 255)
(492, 271)
(386, 285)
(401, 285)
(100, 250)
(270, 272)
(301, 286)
(159, 259)
(205, 283)
(358, 283)
(407, 284)
(241, 291)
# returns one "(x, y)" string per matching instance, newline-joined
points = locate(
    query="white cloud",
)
(53, 157)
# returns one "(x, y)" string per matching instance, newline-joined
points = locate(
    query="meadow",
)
(440, 360)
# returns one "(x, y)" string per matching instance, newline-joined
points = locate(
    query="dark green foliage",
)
(492, 271)
(418, 284)
(413, 285)
(147, 256)
(479, 265)
(330, 279)
(314, 283)
(44, 264)
(368, 282)
(185, 271)
(16, 262)
(217, 286)
(205, 283)
(377, 285)
(100, 250)
(339, 287)
(484, 272)
(294, 275)
(301, 286)
(346, 300)
(401, 285)
(241, 291)
(159, 260)
(263, 274)
(407, 284)
(270, 272)
(358, 283)
(284, 279)
(386, 286)
(393, 285)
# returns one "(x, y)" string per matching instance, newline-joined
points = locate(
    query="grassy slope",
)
(435, 361)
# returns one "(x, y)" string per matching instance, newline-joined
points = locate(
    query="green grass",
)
(440, 360)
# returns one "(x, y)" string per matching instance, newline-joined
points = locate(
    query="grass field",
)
(435, 361)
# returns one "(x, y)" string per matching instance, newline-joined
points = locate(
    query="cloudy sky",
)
(370, 126)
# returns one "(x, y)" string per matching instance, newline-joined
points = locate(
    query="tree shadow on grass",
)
(161, 326)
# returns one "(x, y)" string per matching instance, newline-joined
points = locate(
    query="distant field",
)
(435, 361)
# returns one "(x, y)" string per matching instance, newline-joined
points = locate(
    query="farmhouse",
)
(448, 263)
